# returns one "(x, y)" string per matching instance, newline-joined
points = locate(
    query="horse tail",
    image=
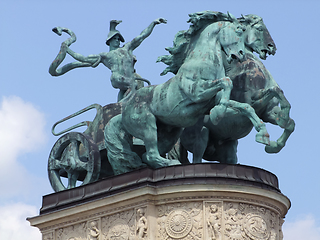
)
(62, 54)
(118, 143)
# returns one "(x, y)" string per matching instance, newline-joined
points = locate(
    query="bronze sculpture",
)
(158, 114)
(202, 101)
(120, 60)
(252, 84)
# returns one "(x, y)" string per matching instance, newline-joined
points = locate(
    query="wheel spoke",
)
(74, 155)
(72, 179)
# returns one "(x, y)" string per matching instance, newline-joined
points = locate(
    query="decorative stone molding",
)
(73, 232)
(208, 220)
(47, 236)
(119, 226)
(171, 211)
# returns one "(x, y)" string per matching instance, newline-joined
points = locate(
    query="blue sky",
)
(31, 100)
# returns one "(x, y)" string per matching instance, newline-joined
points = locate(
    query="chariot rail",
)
(83, 123)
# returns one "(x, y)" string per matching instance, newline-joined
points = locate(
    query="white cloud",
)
(21, 127)
(13, 223)
(21, 131)
(304, 228)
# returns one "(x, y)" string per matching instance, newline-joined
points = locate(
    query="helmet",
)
(113, 31)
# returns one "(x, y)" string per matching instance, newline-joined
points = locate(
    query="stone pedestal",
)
(193, 202)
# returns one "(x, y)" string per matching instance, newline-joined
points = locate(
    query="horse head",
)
(257, 36)
(231, 38)
(209, 26)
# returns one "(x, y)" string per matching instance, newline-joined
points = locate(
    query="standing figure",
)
(142, 225)
(120, 60)
(213, 223)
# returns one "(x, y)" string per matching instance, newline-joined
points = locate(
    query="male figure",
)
(142, 225)
(120, 60)
(213, 223)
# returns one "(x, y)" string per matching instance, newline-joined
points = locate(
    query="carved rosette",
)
(255, 227)
(180, 221)
(178, 224)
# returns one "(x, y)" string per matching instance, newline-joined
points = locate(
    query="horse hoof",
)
(173, 162)
(157, 162)
(263, 138)
(274, 147)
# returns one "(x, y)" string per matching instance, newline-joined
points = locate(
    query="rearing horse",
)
(252, 84)
(158, 114)
(267, 99)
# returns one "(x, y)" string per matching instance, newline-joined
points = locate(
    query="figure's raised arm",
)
(144, 34)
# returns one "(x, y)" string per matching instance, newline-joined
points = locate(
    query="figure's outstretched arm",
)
(90, 61)
(144, 34)
(93, 59)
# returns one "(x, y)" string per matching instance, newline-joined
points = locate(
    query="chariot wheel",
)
(74, 156)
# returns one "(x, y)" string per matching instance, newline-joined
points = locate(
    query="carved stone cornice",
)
(171, 203)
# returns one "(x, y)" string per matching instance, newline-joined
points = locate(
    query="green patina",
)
(158, 114)
(253, 85)
(219, 92)
(120, 60)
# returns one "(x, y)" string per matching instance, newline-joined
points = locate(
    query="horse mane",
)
(182, 39)
(250, 19)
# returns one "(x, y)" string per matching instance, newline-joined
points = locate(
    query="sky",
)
(31, 100)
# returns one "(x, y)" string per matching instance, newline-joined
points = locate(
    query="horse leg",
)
(262, 136)
(227, 152)
(222, 101)
(167, 137)
(282, 117)
(263, 97)
(179, 152)
(275, 147)
(277, 115)
(195, 139)
(200, 145)
(118, 143)
(142, 124)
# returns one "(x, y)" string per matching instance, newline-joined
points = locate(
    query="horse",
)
(157, 114)
(252, 84)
